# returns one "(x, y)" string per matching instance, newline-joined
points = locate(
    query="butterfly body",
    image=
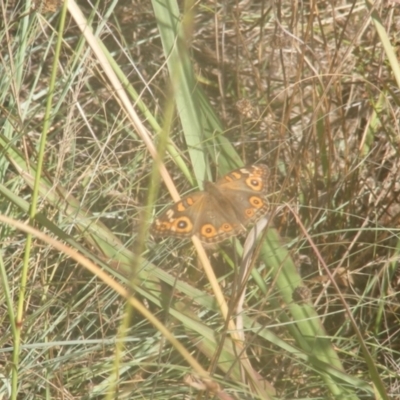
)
(223, 209)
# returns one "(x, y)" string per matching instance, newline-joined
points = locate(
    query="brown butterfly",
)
(223, 209)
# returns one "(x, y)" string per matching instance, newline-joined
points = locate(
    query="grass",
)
(92, 307)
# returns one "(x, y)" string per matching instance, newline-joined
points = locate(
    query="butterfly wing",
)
(246, 189)
(180, 219)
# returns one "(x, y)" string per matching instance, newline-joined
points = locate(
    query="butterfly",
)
(222, 210)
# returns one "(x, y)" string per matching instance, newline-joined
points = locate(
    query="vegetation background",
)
(98, 309)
